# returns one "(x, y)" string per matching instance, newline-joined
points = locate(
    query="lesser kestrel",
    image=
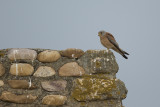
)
(109, 42)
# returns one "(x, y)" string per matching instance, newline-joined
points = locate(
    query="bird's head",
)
(101, 33)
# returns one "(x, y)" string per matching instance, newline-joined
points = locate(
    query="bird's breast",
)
(105, 42)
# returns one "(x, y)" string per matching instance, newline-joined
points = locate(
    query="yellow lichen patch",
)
(98, 64)
(111, 102)
(100, 76)
(83, 103)
(93, 88)
(80, 81)
(2, 53)
(118, 92)
(124, 96)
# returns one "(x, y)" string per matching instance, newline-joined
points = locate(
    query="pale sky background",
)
(61, 24)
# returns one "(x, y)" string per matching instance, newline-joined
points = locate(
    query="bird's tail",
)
(124, 54)
(120, 51)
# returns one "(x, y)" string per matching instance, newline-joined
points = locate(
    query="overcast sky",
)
(61, 24)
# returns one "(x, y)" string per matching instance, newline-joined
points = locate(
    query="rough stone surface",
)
(55, 100)
(21, 69)
(21, 84)
(22, 54)
(23, 99)
(56, 85)
(44, 71)
(87, 89)
(1, 83)
(95, 103)
(72, 53)
(2, 70)
(48, 56)
(71, 69)
(99, 61)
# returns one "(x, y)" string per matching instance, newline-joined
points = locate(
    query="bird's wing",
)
(113, 41)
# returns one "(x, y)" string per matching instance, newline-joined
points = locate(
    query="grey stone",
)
(71, 69)
(48, 56)
(72, 53)
(54, 100)
(99, 61)
(21, 84)
(22, 54)
(21, 99)
(44, 71)
(55, 85)
(21, 69)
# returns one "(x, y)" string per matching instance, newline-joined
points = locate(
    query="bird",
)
(108, 41)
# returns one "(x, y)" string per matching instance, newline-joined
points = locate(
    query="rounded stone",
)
(21, 84)
(72, 53)
(1, 83)
(2, 70)
(44, 71)
(48, 56)
(21, 69)
(71, 69)
(22, 54)
(54, 100)
(21, 99)
(56, 85)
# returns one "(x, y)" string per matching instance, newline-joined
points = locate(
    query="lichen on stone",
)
(2, 53)
(98, 87)
(89, 80)
(89, 88)
(98, 64)
(99, 61)
(99, 75)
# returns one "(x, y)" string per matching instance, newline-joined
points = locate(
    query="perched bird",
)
(108, 41)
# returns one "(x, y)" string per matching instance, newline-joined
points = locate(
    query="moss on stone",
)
(2, 53)
(124, 96)
(118, 92)
(100, 76)
(83, 103)
(93, 88)
(111, 101)
(98, 64)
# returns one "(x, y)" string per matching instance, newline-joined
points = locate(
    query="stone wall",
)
(67, 78)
